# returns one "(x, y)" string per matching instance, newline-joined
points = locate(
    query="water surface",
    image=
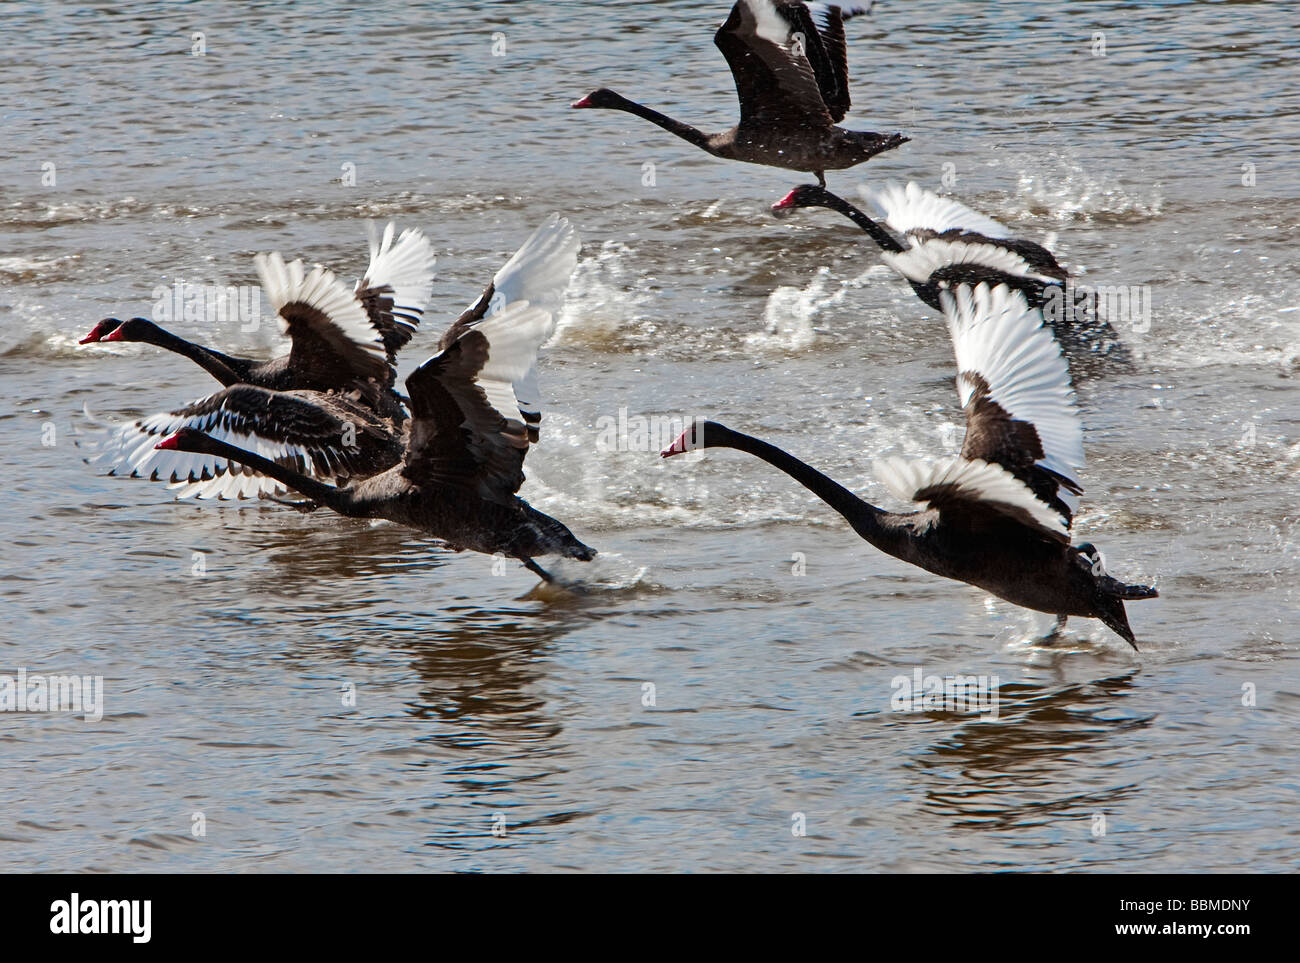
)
(483, 701)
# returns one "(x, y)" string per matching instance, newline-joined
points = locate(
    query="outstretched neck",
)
(341, 500)
(685, 131)
(227, 370)
(882, 237)
(867, 520)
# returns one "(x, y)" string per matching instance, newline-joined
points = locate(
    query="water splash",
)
(1060, 186)
(604, 296)
(790, 312)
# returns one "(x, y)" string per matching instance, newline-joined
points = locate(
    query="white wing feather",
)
(996, 335)
(921, 260)
(978, 480)
(912, 208)
(289, 283)
(537, 274)
(406, 265)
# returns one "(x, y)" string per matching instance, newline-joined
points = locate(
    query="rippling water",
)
(483, 701)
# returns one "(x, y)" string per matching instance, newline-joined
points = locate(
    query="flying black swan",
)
(337, 434)
(945, 243)
(790, 64)
(463, 460)
(340, 340)
(998, 515)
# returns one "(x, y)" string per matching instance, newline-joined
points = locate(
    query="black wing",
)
(326, 436)
(466, 426)
(775, 81)
(829, 55)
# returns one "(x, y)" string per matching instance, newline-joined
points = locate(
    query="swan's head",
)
(187, 439)
(604, 97)
(805, 195)
(701, 434)
(134, 329)
(101, 330)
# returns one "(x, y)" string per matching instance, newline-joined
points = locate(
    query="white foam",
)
(1060, 186)
(603, 296)
(790, 312)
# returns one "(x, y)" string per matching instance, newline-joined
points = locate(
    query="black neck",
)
(685, 131)
(341, 500)
(220, 366)
(882, 237)
(866, 519)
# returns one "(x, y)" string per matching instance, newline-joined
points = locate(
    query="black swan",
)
(463, 460)
(790, 64)
(340, 340)
(945, 243)
(998, 515)
(337, 435)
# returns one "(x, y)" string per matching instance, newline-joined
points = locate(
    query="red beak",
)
(169, 444)
(114, 335)
(785, 205)
(89, 339)
(584, 102)
(680, 446)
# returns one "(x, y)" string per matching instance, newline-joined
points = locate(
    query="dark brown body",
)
(992, 551)
(1005, 559)
(799, 148)
(463, 519)
(459, 516)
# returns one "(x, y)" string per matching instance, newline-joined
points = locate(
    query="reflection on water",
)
(1014, 769)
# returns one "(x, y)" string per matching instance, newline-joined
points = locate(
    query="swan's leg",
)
(821, 178)
(537, 570)
(1057, 632)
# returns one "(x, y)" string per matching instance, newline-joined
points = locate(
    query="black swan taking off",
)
(998, 515)
(339, 435)
(790, 64)
(945, 243)
(340, 340)
(464, 456)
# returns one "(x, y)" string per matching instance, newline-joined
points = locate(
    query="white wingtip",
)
(287, 283)
(974, 480)
(537, 274)
(921, 260)
(129, 451)
(515, 335)
(997, 336)
(539, 271)
(405, 264)
(913, 208)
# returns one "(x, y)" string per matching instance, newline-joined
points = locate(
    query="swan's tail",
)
(1129, 593)
(1114, 594)
(870, 143)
